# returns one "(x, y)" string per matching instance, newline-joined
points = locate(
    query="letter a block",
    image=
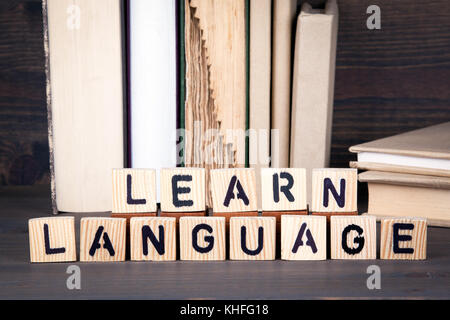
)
(353, 237)
(252, 238)
(153, 239)
(52, 239)
(183, 192)
(334, 192)
(403, 239)
(303, 237)
(102, 239)
(134, 191)
(202, 238)
(233, 192)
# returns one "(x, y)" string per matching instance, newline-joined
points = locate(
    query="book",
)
(259, 89)
(83, 45)
(402, 195)
(153, 84)
(313, 87)
(215, 112)
(424, 151)
(284, 13)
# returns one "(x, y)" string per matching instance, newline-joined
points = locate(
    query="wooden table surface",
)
(329, 279)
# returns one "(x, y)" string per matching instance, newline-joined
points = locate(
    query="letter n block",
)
(353, 237)
(102, 239)
(252, 238)
(134, 191)
(403, 239)
(183, 192)
(334, 192)
(153, 239)
(202, 238)
(303, 237)
(52, 239)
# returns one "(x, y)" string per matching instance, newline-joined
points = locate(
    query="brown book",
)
(215, 106)
(425, 151)
(402, 195)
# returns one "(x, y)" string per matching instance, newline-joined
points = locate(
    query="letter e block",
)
(353, 237)
(403, 239)
(252, 238)
(202, 238)
(233, 190)
(102, 239)
(52, 239)
(183, 190)
(303, 237)
(134, 191)
(153, 239)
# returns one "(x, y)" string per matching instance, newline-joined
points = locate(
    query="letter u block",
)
(202, 238)
(102, 239)
(353, 237)
(52, 239)
(403, 239)
(153, 239)
(252, 238)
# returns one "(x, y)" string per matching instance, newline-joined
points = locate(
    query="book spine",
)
(49, 106)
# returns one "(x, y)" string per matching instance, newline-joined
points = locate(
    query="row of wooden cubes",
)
(204, 238)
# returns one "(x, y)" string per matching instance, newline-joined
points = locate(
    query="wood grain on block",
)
(334, 190)
(128, 216)
(153, 239)
(233, 190)
(178, 215)
(183, 190)
(102, 239)
(303, 238)
(328, 215)
(202, 238)
(403, 239)
(228, 215)
(283, 189)
(52, 239)
(353, 237)
(134, 190)
(252, 238)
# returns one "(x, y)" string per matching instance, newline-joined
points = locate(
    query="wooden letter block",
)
(283, 189)
(303, 237)
(252, 238)
(202, 238)
(153, 239)
(334, 191)
(134, 191)
(353, 237)
(52, 239)
(403, 239)
(233, 190)
(102, 239)
(183, 190)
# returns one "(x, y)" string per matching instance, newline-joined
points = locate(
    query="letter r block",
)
(252, 238)
(102, 239)
(202, 238)
(134, 191)
(353, 237)
(403, 239)
(52, 239)
(164, 232)
(183, 190)
(303, 237)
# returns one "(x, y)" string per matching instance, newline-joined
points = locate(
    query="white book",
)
(84, 68)
(153, 83)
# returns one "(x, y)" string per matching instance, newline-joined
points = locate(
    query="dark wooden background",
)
(387, 81)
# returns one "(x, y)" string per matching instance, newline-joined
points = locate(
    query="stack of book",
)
(408, 174)
(200, 83)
